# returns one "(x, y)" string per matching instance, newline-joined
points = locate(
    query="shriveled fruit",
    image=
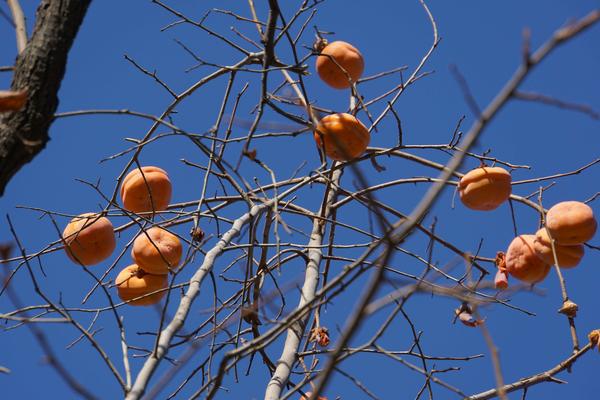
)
(523, 263)
(89, 239)
(568, 256)
(344, 136)
(571, 222)
(485, 188)
(156, 251)
(347, 67)
(145, 190)
(133, 282)
(501, 280)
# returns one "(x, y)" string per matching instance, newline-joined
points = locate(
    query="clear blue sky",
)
(482, 38)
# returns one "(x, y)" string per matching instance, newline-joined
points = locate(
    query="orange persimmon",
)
(523, 263)
(344, 135)
(89, 239)
(485, 188)
(347, 67)
(134, 282)
(156, 251)
(568, 256)
(145, 190)
(571, 222)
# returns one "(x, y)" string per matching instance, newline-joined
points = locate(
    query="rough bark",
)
(39, 70)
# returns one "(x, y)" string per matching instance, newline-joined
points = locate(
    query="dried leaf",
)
(468, 320)
(197, 235)
(465, 315)
(320, 335)
(11, 100)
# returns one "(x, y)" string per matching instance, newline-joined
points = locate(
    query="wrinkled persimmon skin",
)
(134, 190)
(571, 222)
(156, 251)
(485, 188)
(568, 256)
(348, 57)
(523, 263)
(133, 282)
(345, 137)
(89, 239)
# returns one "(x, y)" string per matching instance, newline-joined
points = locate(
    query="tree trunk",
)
(39, 70)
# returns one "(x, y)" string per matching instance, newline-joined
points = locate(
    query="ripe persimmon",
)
(145, 190)
(89, 239)
(156, 251)
(134, 282)
(523, 263)
(571, 222)
(347, 67)
(345, 137)
(568, 256)
(485, 188)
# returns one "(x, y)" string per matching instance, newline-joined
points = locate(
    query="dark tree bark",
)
(39, 70)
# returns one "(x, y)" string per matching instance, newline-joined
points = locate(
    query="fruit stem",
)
(561, 279)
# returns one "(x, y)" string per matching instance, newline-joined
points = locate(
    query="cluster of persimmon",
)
(89, 239)
(341, 135)
(569, 224)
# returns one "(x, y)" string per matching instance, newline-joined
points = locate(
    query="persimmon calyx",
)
(569, 308)
(594, 338)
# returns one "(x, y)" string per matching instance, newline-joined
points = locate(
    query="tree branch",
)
(535, 379)
(19, 21)
(39, 70)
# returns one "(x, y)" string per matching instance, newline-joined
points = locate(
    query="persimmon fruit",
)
(522, 261)
(571, 222)
(344, 136)
(146, 190)
(485, 188)
(133, 282)
(568, 256)
(156, 251)
(89, 239)
(347, 67)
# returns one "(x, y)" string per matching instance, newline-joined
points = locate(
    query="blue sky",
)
(483, 39)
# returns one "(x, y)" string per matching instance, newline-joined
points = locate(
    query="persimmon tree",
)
(296, 265)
